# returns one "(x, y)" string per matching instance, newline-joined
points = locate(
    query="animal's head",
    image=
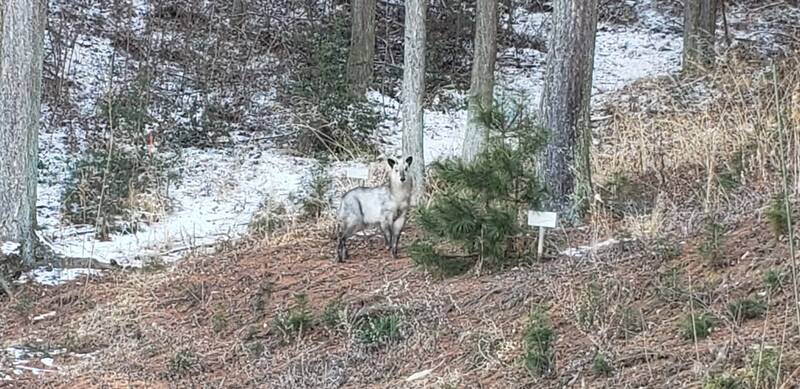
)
(400, 173)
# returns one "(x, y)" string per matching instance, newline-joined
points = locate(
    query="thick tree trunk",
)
(413, 92)
(21, 46)
(482, 81)
(699, 29)
(565, 107)
(362, 46)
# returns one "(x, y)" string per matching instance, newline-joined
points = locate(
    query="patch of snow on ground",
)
(57, 276)
(622, 54)
(219, 192)
(581, 251)
(10, 248)
(21, 357)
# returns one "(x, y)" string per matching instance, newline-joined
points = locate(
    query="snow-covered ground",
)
(221, 189)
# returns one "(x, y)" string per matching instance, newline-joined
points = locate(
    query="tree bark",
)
(413, 92)
(21, 47)
(361, 57)
(564, 165)
(482, 78)
(699, 30)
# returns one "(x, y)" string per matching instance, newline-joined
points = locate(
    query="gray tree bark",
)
(564, 165)
(21, 48)
(482, 77)
(361, 57)
(699, 30)
(413, 92)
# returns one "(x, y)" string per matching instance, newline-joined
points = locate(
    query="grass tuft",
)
(539, 356)
(697, 326)
(744, 309)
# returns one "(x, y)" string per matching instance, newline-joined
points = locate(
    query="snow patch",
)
(21, 357)
(581, 251)
(10, 248)
(219, 192)
(56, 276)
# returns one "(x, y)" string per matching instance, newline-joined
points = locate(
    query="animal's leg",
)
(397, 229)
(341, 246)
(386, 228)
(347, 232)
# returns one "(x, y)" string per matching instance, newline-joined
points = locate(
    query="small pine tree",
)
(478, 212)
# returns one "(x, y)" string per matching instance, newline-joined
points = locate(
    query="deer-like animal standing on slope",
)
(384, 206)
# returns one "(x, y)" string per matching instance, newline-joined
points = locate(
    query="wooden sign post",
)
(542, 220)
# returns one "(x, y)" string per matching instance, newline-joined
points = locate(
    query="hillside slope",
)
(214, 321)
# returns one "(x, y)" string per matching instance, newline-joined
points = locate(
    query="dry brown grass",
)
(687, 130)
(468, 330)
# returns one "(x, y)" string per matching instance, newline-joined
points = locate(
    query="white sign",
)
(542, 219)
(357, 172)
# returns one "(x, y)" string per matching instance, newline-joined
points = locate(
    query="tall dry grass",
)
(697, 130)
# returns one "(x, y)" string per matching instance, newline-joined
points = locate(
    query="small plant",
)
(672, 287)
(184, 363)
(713, 247)
(219, 320)
(763, 367)
(258, 299)
(268, 218)
(773, 280)
(746, 309)
(380, 330)
(333, 314)
(297, 319)
(23, 306)
(723, 381)
(539, 357)
(631, 320)
(591, 306)
(476, 215)
(314, 202)
(777, 216)
(697, 326)
(601, 366)
(116, 189)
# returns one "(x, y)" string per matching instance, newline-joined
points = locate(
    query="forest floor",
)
(225, 320)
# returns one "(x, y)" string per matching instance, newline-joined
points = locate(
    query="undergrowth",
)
(295, 320)
(118, 183)
(477, 214)
(538, 353)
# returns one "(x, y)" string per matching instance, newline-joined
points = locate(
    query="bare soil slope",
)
(216, 321)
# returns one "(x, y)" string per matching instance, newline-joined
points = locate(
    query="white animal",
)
(384, 206)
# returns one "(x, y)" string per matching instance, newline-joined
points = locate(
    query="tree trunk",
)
(413, 91)
(362, 47)
(482, 78)
(21, 46)
(699, 29)
(564, 165)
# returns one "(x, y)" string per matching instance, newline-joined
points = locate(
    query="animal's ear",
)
(409, 160)
(391, 162)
